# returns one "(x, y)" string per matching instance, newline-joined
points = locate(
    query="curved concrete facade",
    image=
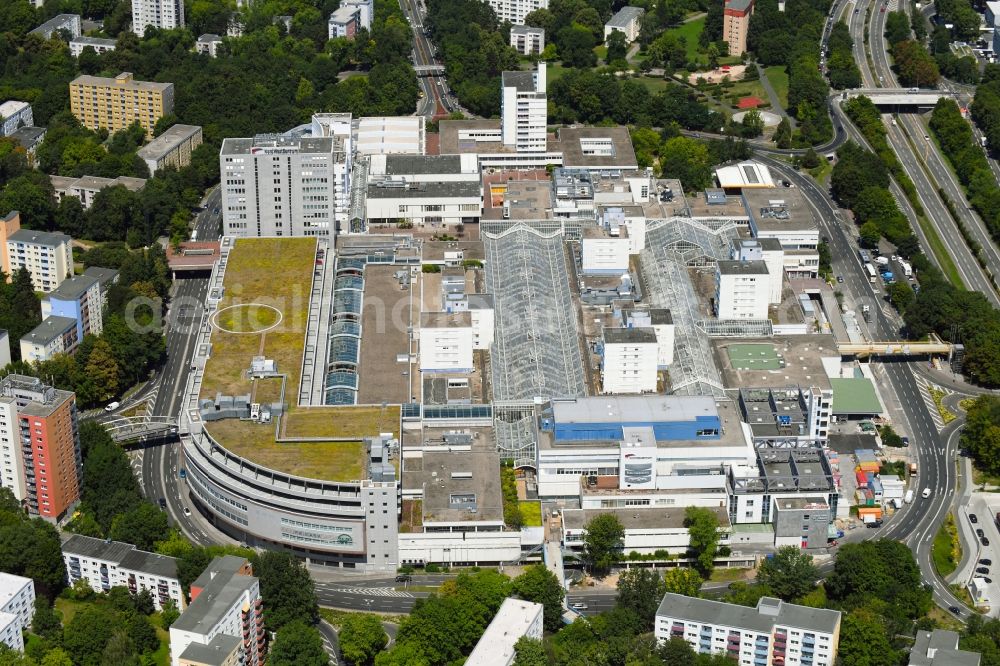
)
(345, 524)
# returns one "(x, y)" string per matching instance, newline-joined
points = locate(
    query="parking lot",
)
(985, 507)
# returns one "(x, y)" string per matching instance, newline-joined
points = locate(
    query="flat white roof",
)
(744, 174)
(512, 621)
(632, 409)
(10, 107)
(393, 134)
(10, 585)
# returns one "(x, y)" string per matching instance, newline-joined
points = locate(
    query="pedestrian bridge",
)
(429, 70)
(897, 98)
(898, 348)
(140, 428)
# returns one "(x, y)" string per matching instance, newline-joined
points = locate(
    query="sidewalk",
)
(772, 96)
(966, 531)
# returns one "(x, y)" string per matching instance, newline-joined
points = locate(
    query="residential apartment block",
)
(515, 10)
(774, 632)
(282, 186)
(208, 44)
(526, 39)
(225, 605)
(17, 607)
(80, 299)
(47, 256)
(735, 23)
(105, 564)
(628, 21)
(514, 619)
(78, 44)
(29, 138)
(524, 110)
(940, 648)
(40, 446)
(162, 14)
(115, 103)
(55, 335)
(86, 188)
(172, 148)
(13, 115)
(69, 24)
(350, 17)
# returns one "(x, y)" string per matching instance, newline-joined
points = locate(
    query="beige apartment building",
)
(115, 103)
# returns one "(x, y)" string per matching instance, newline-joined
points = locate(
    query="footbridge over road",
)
(141, 428)
(900, 99)
(429, 70)
(895, 348)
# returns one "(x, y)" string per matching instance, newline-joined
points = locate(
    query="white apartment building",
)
(17, 607)
(516, 618)
(629, 360)
(446, 342)
(46, 255)
(770, 252)
(225, 604)
(172, 148)
(13, 115)
(628, 21)
(106, 564)
(86, 188)
(71, 24)
(527, 40)
(515, 10)
(208, 44)
(78, 44)
(742, 290)
(774, 632)
(524, 110)
(55, 335)
(662, 323)
(162, 14)
(283, 186)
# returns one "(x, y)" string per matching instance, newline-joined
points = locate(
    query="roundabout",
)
(247, 318)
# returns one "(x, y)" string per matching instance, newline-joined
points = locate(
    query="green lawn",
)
(728, 575)
(690, 32)
(946, 551)
(654, 84)
(778, 77)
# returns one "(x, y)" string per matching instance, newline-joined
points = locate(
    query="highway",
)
(881, 75)
(436, 101)
(160, 463)
(916, 523)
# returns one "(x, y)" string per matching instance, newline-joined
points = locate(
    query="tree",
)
(45, 622)
(688, 160)
(32, 548)
(981, 435)
(677, 652)
(576, 45)
(783, 133)
(703, 527)
(753, 124)
(880, 569)
(87, 634)
(102, 369)
(617, 47)
(641, 591)
(810, 160)
(298, 644)
(603, 542)
(682, 580)
(143, 526)
(169, 614)
(361, 638)
(789, 574)
(287, 590)
(901, 295)
(529, 652)
(56, 657)
(541, 586)
(897, 27)
(863, 640)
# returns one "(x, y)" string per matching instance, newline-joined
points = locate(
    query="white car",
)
(112, 406)
(578, 606)
(187, 511)
(926, 493)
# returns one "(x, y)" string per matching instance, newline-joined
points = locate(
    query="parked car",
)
(979, 533)
(984, 541)
(973, 518)
(982, 570)
(986, 561)
(906, 441)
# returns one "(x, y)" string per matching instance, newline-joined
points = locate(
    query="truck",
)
(866, 312)
(907, 268)
(888, 276)
(882, 261)
(913, 469)
(864, 256)
(908, 497)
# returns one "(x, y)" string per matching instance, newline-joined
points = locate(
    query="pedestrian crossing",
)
(370, 591)
(925, 386)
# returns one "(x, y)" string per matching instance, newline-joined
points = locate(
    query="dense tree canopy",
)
(603, 542)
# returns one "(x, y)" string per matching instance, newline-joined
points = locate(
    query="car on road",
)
(840, 278)
(163, 502)
(926, 493)
(973, 518)
(578, 606)
(187, 511)
(112, 406)
(985, 541)
(954, 610)
(182, 473)
(982, 570)
(404, 578)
